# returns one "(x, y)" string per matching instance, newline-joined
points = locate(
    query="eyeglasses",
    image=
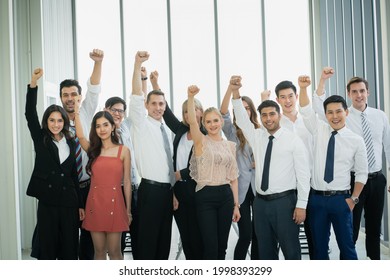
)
(119, 111)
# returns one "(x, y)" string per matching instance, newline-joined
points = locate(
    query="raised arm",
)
(97, 56)
(327, 72)
(226, 100)
(154, 80)
(140, 58)
(31, 104)
(303, 82)
(144, 79)
(79, 126)
(196, 134)
(265, 95)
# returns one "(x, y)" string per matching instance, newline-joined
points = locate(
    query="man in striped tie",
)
(373, 125)
(69, 91)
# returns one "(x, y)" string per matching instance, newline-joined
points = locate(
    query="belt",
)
(371, 175)
(374, 174)
(85, 183)
(330, 193)
(275, 195)
(151, 182)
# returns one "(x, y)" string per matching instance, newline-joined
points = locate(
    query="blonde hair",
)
(184, 108)
(211, 110)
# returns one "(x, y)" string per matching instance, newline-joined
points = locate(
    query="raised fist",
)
(193, 90)
(304, 81)
(96, 55)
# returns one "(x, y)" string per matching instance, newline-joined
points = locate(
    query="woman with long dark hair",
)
(246, 180)
(107, 208)
(54, 180)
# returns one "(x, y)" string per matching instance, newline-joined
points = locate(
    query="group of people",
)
(269, 176)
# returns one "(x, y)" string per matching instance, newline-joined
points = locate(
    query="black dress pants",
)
(371, 200)
(155, 211)
(187, 223)
(57, 232)
(214, 206)
(246, 230)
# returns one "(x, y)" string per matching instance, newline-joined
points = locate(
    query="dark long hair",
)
(48, 136)
(95, 143)
(253, 119)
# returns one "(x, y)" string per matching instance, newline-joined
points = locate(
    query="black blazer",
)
(51, 182)
(179, 128)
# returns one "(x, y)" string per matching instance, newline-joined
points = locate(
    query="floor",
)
(177, 254)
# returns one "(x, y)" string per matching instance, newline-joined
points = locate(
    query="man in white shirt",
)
(287, 98)
(337, 151)
(377, 124)
(280, 205)
(155, 166)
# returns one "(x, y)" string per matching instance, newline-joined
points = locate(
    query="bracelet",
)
(144, 79)
(237, 205)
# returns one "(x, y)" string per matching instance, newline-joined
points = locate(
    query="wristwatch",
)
(355, 199)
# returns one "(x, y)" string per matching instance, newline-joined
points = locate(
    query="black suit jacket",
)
(179, 128)
(51, 182)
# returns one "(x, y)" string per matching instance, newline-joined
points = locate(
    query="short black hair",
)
(268, 103)
(70, 83)
(284, 85)
(115, 100)
(335, 99)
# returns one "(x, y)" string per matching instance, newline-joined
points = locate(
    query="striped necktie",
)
(368, 141)
(79, 158)
(169, 154)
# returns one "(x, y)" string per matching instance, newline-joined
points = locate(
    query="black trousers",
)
(86, 250)
(214, 206)
(187, 223)
(56, 232)
(155, 211)
(371, 200)
(246, 230)
(133, 227)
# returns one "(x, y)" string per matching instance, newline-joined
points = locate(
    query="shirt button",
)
(62, 174)
(112, 213)
(113, 200)
(49, 186)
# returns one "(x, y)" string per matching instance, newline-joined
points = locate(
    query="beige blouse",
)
(216, 166)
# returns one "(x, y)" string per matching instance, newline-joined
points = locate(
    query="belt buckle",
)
(330, 193)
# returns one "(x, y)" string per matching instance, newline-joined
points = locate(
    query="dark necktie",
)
(169, 154)
(329, 165)
(267, 161)
(79, 158)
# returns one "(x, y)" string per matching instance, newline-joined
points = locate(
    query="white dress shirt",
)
(350, 154)
(289, 168)
(148, 142)
(87, 111)
(298, 127)
(380, 132)
(63, 149)
(379, 127)
(125, 139)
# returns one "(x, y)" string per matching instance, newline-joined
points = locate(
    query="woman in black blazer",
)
(184, 188)
(54, 180)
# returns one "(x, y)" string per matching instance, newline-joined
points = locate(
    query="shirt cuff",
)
(95, 89)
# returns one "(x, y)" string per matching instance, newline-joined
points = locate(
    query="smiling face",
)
(156, 105)
(117, 112)
(358, 93)
(336, 115)
(68, 98)
(287, 100)
(55, 124)
(103, 128)
(213, 122)
(270, 118)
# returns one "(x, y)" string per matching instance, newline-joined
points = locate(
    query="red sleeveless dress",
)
(105, 209)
